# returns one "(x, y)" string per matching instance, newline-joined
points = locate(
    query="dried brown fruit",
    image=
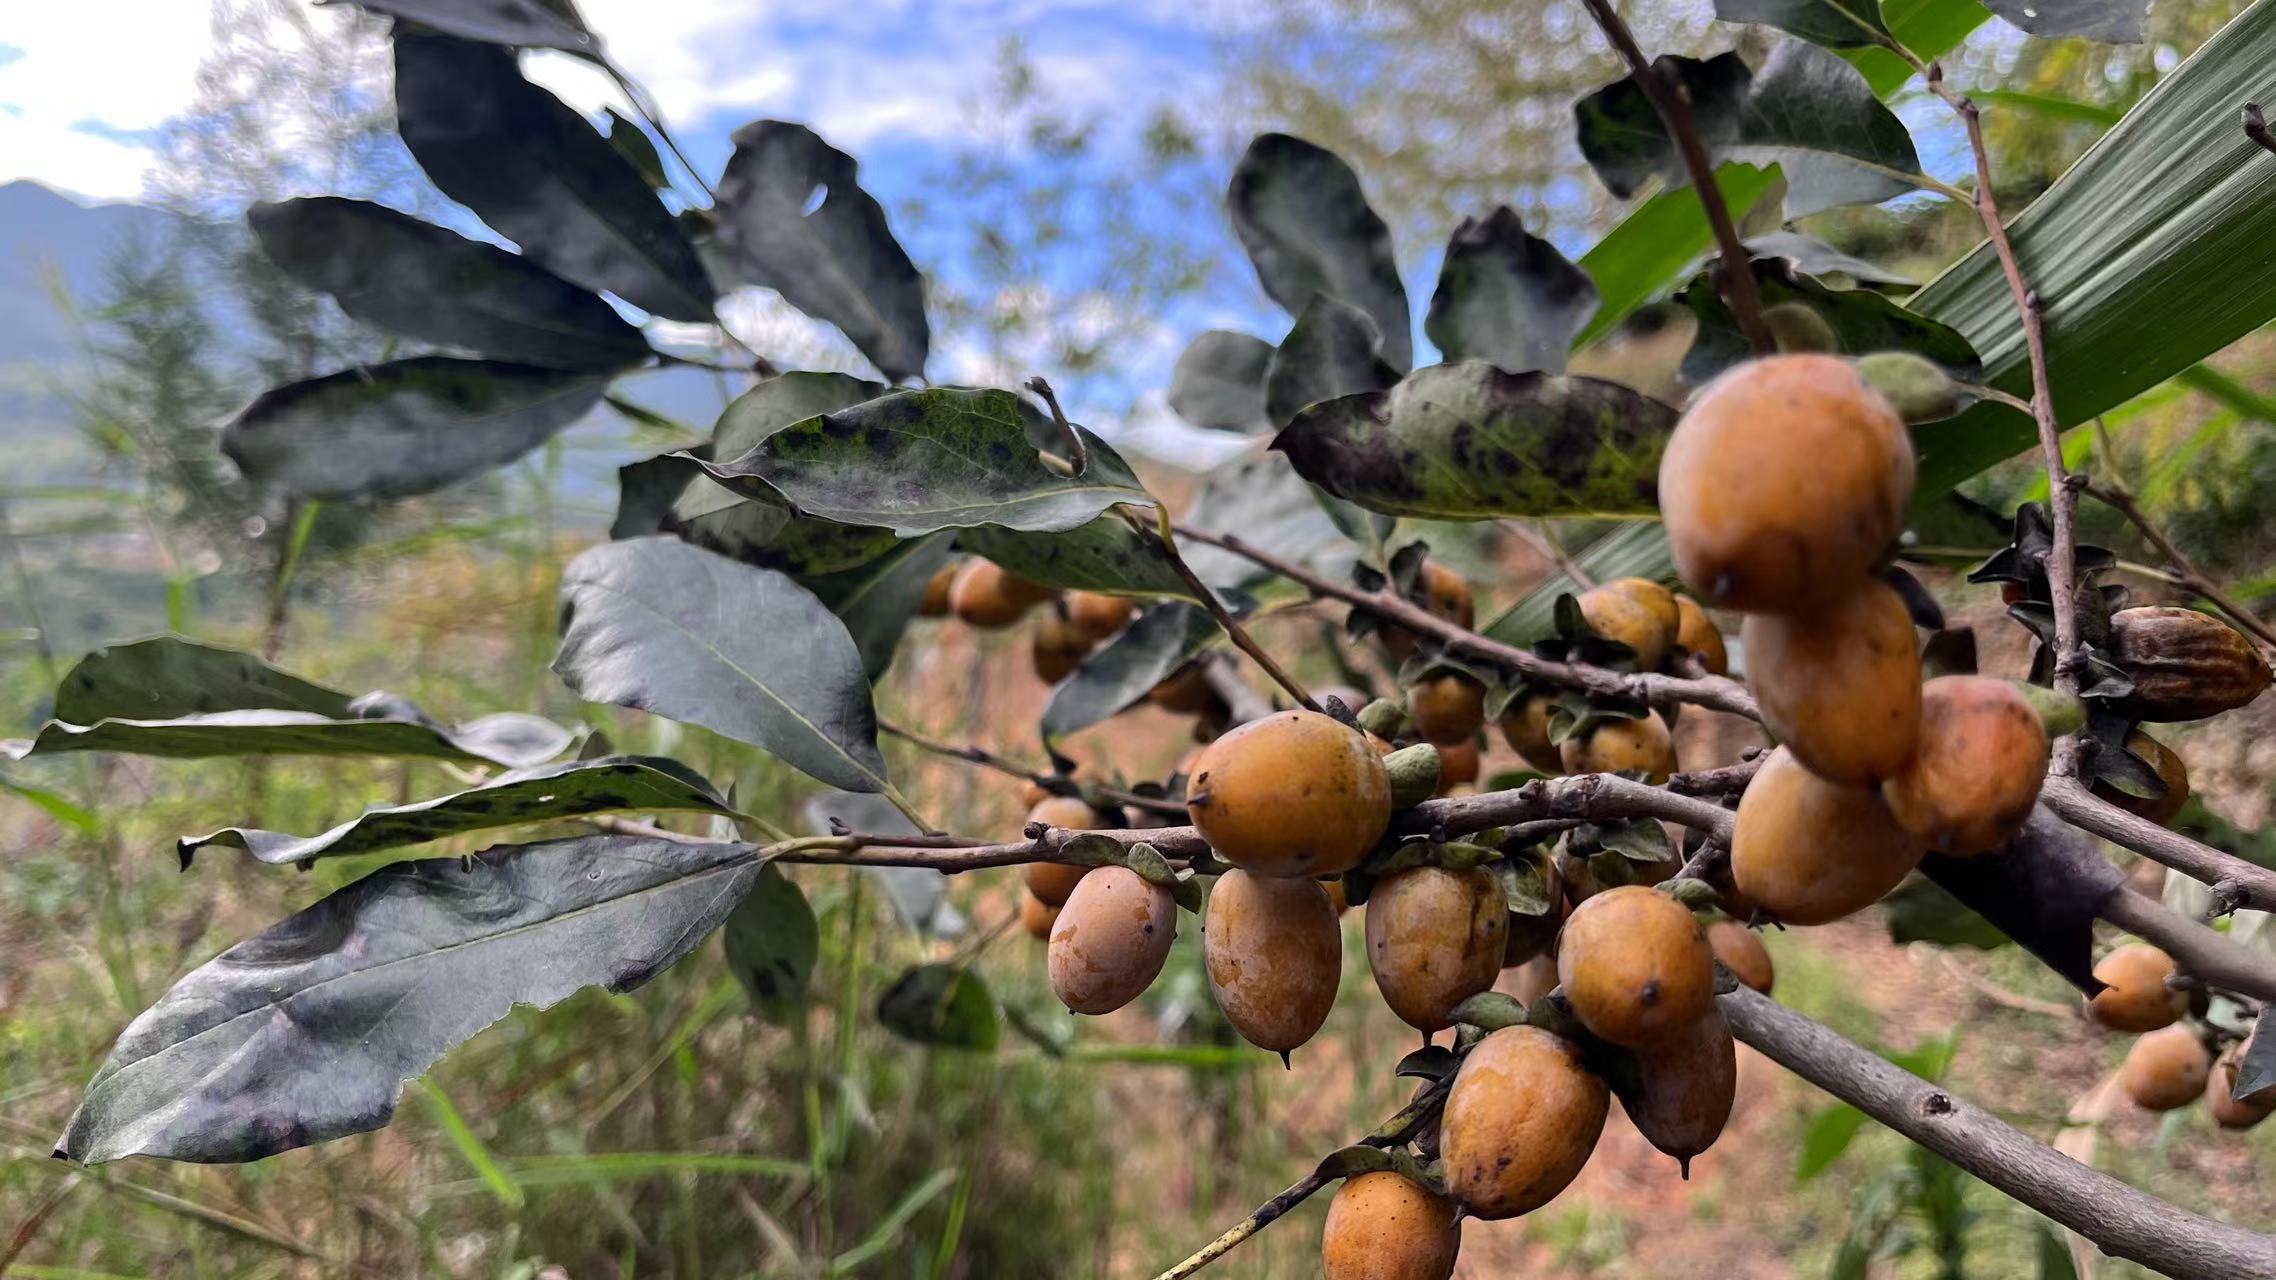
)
(2185, 665)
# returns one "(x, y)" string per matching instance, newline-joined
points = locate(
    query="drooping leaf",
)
(508, 738)
(2125, 267)
(166, 676)
(1260, 498)
(877, 600)
(920, 461)
(941, 1005)
(1218, 382)
(793, 218)
(392, 270)
(2043, 891)
(1864, 320)
(1467, 441)
(1841, 24)
(1121, 671)
(529, 24)
(541, 175)
(2256, 1070)
(745, 652)
(1808, 112)
(1332, 350)
(1507, 298)
(2110, 21)
(308, 1031)
(402, 428)
(544, 793)
(1299, 211)
(1104, 555)
(772, 942)
(1921, 910)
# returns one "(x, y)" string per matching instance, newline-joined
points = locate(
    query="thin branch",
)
(1716, 693)
(2000, 995)
(1078, 453)
(1396, 1131)
(1166, 540)
(1537, 535)
(2256, 127)
(2186, 575)
(2236, 882)
(2198, 951)
(2124, 1222)
(974, 754)
(1242, 703)
(2062, 497)
(1672, 101)
(1593, 796)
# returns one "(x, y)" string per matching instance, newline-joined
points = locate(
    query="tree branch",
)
(2186, 575)
(1672, 101)
(2122, 1221)
(1393, 1132)
(1077, 452)
(1166, 540)
(1597, 797)
(1713, 692)
(2203, 954)
(974, 754)
(2062, 497)
(2236, 882)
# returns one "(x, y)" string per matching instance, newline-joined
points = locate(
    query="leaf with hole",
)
(1807, 111)
(402, 428)
(920, 461)
(1218, 382)
(772, 943)
(1299, 211)
(793, 218)
(541, 175)
(308, 1031)
(425, 282)
(1468, 441)
(543, 793)
(745, 652)
(1333, 350)
(1507, 297)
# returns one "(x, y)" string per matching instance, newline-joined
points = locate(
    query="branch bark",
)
(1672, 102)
(2203, 954)
(2236, 882)
(2120, 1220)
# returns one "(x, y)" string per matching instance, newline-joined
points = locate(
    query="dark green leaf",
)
(1104, 555)
(1332, 350)
(541, 175)
(793, 218)
(919, 461)
(756, 525)
(1808, 112)
(1260, 498)
(1864, 320)
(2110, 21)
(646, 490)
(2256, 1070)
(632, 142)
(2125, 266)
(402, 428)
(877, 600)
(1121, 671)
(1219, 382)
(1921, 910)
(167, 676)
(545, 793)
(1828, 1134)
(526, 23)
(1507, 298)
(1307, 226)
(307, 1032)
(745, 652)
(772, 942)
(936, 1004)
(1467, 441)
(508, 738)
(1842, 24)
(420, 280)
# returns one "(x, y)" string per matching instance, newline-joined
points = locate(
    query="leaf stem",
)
(1078, 453)
(1672, 101)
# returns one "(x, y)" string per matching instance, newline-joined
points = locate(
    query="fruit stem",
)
(1673, 103)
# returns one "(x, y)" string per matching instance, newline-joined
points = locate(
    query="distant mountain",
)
(47, 238)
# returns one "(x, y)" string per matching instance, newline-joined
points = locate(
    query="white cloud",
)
(121, 67)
